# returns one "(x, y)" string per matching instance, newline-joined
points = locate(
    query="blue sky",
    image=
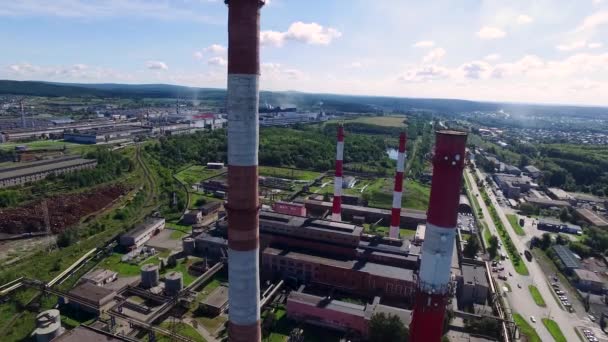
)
(548, 51)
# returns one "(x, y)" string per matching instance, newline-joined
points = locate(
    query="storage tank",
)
(149, 276)
(48, 325)
(173, 283)
(188, 245)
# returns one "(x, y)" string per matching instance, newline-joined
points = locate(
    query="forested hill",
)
(347, 103)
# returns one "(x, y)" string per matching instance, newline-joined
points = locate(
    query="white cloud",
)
(434, 56)
(492, 57)
(355, 65)
(217, 61)
(476, 70)
(198, 55)
(309, 33)
(597, 2)
(156, 65)
(424, 44)
(216, 49)
(593, 21)
(595, 45)
(488, 32)
(276, 72)
(23, 68)
(425, 73)
(581, 44)
(74, 72)
(524, 19)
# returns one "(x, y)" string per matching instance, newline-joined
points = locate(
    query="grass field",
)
(391, 121)
(526, 329)
(114, 263)
(39, 144)
(182, 266)
(538, 299)
(554, 330)
(515, 225)
(196, 173)
(415, 195)
(486, 236)
(180, 328)
(280, 172)
(403, 232)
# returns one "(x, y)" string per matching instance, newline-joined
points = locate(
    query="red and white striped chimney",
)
(433, 288)
(336, 212)
(243, 140)
(398, 192)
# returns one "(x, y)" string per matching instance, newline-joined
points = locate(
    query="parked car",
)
(592, 318)
(533, 319)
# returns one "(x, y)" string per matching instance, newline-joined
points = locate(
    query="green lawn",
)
(554, 330)
(525, 328)
(487, 235)
(182, 266)
(415, 195)
(180, 328)
(196, 173)
(113, 263)
(389, 121)
(212, 324)
(538, 299)
(179, 230)
(280, 172)
(515, 224)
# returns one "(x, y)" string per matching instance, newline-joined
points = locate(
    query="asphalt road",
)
(520, 300)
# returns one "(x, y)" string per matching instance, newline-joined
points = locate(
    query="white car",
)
(592, 318)
(533, 319)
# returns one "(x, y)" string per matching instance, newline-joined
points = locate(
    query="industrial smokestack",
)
(336, 213)
(433, 288)
(243, 140)
(398, 192)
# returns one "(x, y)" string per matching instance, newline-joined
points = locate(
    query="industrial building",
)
(96, 297)
(89, 334)
(559, 194)
(532, 171)
(513, 186)
(548, 203)
(592, 218)
(588, 281)
(295, 209)
(288, 116)
(57, 131)
(100, 277)
(216, 302)
(566, 257)
(472, 285)
(106, 134)
(142, 232)
(344, 316)
(48, 325)
(23, 173)
(409, 217)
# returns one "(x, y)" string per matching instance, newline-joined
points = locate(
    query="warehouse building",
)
(567, 258)
(592, 218)
(513, 186)
(472, 285)
(142, 233)
(32, 172)
(588, 281)
(552, 225)
(106, 134)
(96, 297)
(100, 277)
(216, 302)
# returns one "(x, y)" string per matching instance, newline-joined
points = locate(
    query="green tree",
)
(484, 326)
(472, 247)
(564, 215)
(493, 247)
(545, 241)
(528, 209)
(384, 328)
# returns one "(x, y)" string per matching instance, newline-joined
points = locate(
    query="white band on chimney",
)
(338, 186)
(394, 232)
(244, 289)
(340, 150)
(400, 162)
(397, 199)
(436, 257)
(243, 128)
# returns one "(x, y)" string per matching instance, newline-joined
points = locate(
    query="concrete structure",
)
(532, 171)
(588, 281)
(139, 235)
(192, 217)
(95, 296)
(149, 276)
(174, 283)
(211, 246)
(336, 212)
(510, 169)
(409, 217)
(22, 173)
(464, 206)
(215, 166)
(100, 277)
(348, 182)
(398, 189)
(566, 257)
(559, 194)
(473, 287)
(433, 288)
(83, 333)
(210, 207)
(217, 301)
(297, 209)
(57, 131)
(592, 218)
(556, 226)
(242, 105)
(338, 315)
(513, 186)
(189, 246)
(548, 203)
(48, 325)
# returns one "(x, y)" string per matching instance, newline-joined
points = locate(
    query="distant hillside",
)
(330, 102)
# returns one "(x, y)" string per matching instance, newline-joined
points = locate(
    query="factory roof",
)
(47, 322)
(214, 239)
(98, 275)
(308, 223)
(566, 256)
(143, 227)
(548, 202)
(405, 212)
(474, 274)
(82, 333)
(579, 196)
(592, 218)
(39, 167)
(328, 304)
(531, 169)
(367, 267)
(91, 293)
(559, 194)
(586, 275)
(218, 298)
